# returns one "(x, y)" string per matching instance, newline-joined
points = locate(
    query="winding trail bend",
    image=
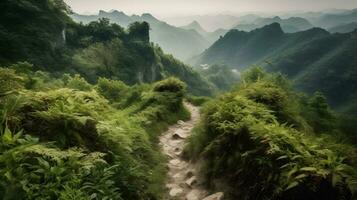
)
(182, 182)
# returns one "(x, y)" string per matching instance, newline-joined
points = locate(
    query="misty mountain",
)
(314, 59)
(208, 22)
(180, 42)
(290, 25)
(343, 28)
(211, 37)
(195, 26)
(335, 19)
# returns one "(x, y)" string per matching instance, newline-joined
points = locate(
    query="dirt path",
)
(182, 182)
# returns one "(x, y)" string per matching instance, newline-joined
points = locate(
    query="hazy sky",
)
(167, 8)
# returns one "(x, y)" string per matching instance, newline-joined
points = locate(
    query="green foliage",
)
(9, 81)
(170, 85)
(111, 89)
(33, 33)
(258, 134)
(86, 148)
(78, 82)
(139, 31)
(197, 100)
(319, 114)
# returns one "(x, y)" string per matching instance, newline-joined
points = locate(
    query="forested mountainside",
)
(289, 25)
(315, 59)
(44, 35)
(180, 42)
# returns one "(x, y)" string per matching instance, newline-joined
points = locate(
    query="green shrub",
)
(113, 90)
(170, 85)
(10, 81)
(197, 100)
(79, 83)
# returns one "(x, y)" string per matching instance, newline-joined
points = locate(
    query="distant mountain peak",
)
(195, 23)
(117, 12)
(149, 18)
(112, 12)
(272, 28)
(147, 15)
(102, 12)
(195, 26)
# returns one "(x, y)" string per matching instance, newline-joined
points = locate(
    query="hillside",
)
(180, 42)
(47, 37)
(289, 25)
(315, 59)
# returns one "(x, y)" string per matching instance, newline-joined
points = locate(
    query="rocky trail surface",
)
(182, 182)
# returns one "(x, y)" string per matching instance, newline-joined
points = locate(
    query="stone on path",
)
(175, 192)
(180, 122)
(195, 194)
(215, 196)
(175, 162)
(178, 136)
(191, 181)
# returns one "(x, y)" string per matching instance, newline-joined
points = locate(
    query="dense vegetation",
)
(264, 141)
(63, 138)
(79, 110)
(43, 34)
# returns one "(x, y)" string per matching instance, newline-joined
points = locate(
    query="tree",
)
(139, 31)
(321, 116)
(103, 58)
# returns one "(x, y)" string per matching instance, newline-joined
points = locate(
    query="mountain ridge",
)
(180, 42)
(312, 58)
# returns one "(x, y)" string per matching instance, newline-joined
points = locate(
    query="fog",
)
(170, 8)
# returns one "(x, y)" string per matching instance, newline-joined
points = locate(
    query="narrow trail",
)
(183, 183)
